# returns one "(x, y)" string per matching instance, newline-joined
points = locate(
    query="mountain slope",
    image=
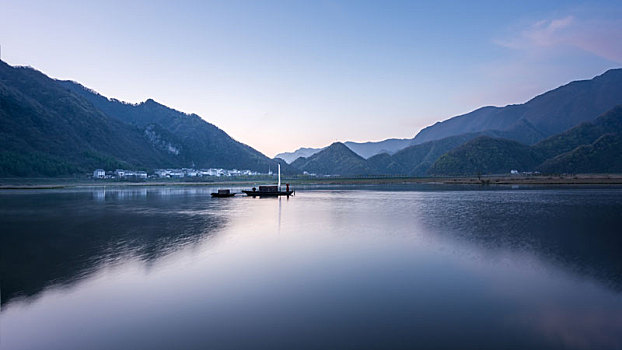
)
(486, 155)
(363, 149)
(303, 152)
(201, 144)
(417, 159)
(371, 148)
(542, 116)
(47, 131)
(586, 133)
(52, 128)
(587, 148)
(602, 156)
(385, 164)
(336, 159)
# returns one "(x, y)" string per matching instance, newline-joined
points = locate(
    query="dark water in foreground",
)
(342, 268)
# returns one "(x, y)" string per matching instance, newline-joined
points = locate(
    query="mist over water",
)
(415, 266)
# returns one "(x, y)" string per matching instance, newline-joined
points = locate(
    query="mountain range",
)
(363, 149)
(53, 128)
(50, 127)
(590, 147)
(543, 116)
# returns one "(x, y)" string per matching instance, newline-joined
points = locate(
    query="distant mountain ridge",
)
(53, 128)
(371, 148)
(303, 152)
(593, 147)
(363, 149)
(589, 147)
(336, 159)
(199, 142)
(544, 115)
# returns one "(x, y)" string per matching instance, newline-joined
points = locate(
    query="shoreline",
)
(582, 179)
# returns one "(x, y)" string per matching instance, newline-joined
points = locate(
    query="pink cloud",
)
(601, 37)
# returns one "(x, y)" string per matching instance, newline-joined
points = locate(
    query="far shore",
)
(579, 179)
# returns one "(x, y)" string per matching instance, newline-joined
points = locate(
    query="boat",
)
(223, 194)
(270, 191)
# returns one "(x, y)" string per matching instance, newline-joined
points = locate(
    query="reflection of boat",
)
(270, 191)
(223, 194)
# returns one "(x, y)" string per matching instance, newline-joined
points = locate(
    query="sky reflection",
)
(345, 269)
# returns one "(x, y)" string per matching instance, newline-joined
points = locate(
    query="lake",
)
(367, 267)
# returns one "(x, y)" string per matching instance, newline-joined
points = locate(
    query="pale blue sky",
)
(279, 75)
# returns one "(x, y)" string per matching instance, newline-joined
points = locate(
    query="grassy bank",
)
(55, 183)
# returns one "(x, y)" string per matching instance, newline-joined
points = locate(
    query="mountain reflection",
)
(576, 232)
(58, 238)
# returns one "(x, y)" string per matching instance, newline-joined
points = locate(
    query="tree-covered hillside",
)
(588, 148)
(52, 128)
(336, 159)
(545, 115)
(47, 131)
(486, 155)
(201, 144)
(602, 156)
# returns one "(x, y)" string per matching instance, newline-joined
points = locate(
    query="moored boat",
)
(223, 194)
(270, 191)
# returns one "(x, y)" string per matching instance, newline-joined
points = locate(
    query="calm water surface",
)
(335, 268)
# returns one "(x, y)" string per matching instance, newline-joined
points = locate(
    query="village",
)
(172, 173)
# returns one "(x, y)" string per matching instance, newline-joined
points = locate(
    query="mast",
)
(279, 176)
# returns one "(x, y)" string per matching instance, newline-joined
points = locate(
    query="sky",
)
(279, 75)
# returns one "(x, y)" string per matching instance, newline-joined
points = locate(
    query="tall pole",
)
(279, 177)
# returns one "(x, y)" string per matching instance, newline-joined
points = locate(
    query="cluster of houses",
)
(189, 172)
(527, 173)
(119, 174)
(171, 173)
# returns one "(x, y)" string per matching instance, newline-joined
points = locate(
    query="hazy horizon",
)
(322, 72)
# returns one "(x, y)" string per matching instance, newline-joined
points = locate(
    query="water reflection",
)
(61, 237)
(379, 267)
(578, 230)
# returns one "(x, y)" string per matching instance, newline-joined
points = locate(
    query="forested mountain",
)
(200, 143)
(416, 160)
(602, 156)
(592, 147)
(52, 128)
(542, 116)
(588, 148)
(486, 155)
(336, 159)
(46, 131)
(304, 152)
(371, 148)
(363, 149)
(548, 114)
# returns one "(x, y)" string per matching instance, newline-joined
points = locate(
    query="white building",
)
(163, 173)
(99, 174)
(131, 174)
(176, 174)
